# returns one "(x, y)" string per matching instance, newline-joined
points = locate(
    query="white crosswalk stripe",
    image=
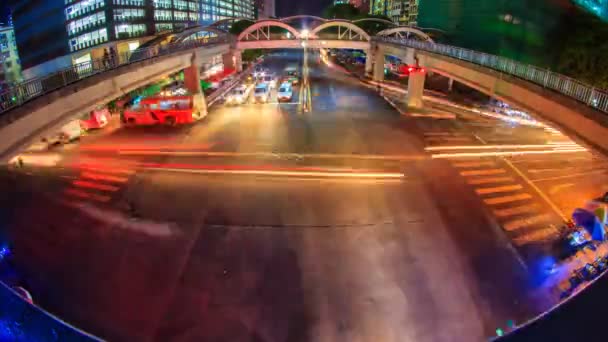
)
(482, 172)
(523, 209)
(525, 222)
(498, 189)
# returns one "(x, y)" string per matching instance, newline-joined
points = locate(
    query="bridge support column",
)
(369, 62)
(415, 88)
(378, 66)
(450, 84)
(233, 60)
(192, 82)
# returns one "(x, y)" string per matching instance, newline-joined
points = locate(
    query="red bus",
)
(171, 110)
(97, 118)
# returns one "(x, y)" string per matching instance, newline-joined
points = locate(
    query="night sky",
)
(293, 7)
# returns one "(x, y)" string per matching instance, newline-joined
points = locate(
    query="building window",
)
(86, 23)
(81, 8)
(127, 14)
(163, 15)
(181, 16)
(88, 39)
(125, 31)
(162, 4)
(139, 3)
(163, 27)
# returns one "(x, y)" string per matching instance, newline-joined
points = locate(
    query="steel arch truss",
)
(209, 30)
(346, 30)
(404, 32)
(303, 16)
(261, 30)
(376, 20)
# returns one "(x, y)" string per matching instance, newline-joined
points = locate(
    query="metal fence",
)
(30, 89)
(568, 86)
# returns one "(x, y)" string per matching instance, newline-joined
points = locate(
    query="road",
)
(328, 218)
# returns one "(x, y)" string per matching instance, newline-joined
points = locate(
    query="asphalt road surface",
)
(327, 218)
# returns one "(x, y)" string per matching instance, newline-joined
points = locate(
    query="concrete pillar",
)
(415, 88)
(232, 60)
(378, 66)
(369, 62)
(238, 54)
(450, 84)
(192, 82)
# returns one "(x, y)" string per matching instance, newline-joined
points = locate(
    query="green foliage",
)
(341, 11)
(580, 47)
(373, 27)
(251, 54)
(350, 12)
(240, 26)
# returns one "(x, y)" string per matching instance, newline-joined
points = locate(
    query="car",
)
(285, 92)
(238, 95)
(293, 77)
(270, 80)
(261, 93)
(95, 119)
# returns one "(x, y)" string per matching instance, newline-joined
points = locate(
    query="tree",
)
(373, 27)
(341, 11)
(240, 26)
(580, 48)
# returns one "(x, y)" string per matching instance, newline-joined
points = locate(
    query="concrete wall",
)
(574, 118)
(28, 123)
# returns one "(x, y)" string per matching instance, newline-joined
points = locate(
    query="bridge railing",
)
(568, 86)
(30, 89)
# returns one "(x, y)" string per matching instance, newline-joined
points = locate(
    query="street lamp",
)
(304, 34)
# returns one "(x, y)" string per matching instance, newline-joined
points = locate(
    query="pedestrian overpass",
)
(29, 109)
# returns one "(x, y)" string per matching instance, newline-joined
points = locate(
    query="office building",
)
(361, 5)
(60, 33)
(401, 12)
(10, 65)
(265, 9)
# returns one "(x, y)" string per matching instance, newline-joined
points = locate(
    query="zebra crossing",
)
(517, 210)
(97, 185)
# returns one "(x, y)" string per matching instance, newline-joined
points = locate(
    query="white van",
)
(261, 93)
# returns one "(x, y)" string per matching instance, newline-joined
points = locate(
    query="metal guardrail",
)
(565, 85)
(30, 89)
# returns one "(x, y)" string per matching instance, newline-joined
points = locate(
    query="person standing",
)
(113, 57)
(106, 58)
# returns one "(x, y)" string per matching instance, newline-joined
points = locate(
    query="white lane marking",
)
(524, 209)
(503, 153)
(445, 138)
(443, 133)
(108, 170)
(482, 172)
(279, 155)
(525, 222)
(86, 195)
(489, 180)
(569, 176)
(353, 175)
(537, 235)
(96, 186)
(507, 199)
(474, 164)
(102, 177)
(560, 187)
(498, 189)
(493, 147)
